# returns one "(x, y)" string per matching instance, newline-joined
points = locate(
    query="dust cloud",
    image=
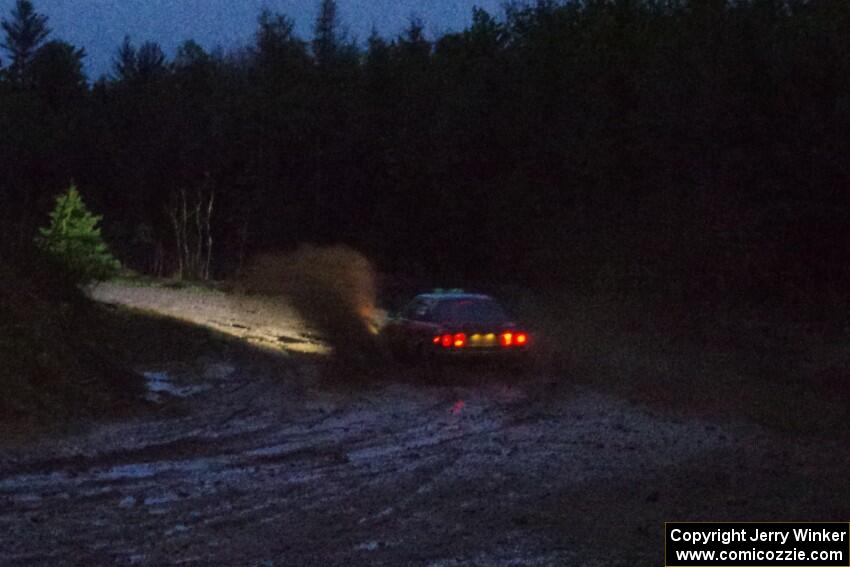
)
(333, 289)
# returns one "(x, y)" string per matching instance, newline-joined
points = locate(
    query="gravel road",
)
(233, 467)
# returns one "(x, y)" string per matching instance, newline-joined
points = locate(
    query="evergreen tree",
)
(56, 72)
(25, 32)
(190, 54)
(151, 61)
(277, 49)
(73, 237)
(145, 63)
(125, 64)
(326, 33)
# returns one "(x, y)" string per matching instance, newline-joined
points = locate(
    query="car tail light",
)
(513, 339)
(506, 339)
(458, 340)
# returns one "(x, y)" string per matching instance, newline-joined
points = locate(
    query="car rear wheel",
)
(424, 354)
(429, 364)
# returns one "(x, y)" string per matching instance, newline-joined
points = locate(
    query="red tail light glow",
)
(459, 340)
(513, 339)
(506, 339)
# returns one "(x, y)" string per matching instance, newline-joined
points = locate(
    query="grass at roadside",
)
(65, 357)
(137, 280)
(783, 370)
(139, 338)
(51, 367)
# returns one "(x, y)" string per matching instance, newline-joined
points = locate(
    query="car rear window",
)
(467, 310)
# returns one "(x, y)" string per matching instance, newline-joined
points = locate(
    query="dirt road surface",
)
(232, 466)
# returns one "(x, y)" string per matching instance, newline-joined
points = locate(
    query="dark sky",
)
(99, 25)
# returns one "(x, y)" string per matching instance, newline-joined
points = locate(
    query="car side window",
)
(422, 312)
(416, 310)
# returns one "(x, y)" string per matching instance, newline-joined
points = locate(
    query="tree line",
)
(665, 145)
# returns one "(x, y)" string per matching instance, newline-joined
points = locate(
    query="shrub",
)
(55, 362)
(74, 239)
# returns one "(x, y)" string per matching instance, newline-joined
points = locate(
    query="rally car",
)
(454, 324)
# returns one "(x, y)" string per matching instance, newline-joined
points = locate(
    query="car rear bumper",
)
(497, 353)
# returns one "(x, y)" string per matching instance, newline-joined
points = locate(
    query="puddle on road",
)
(160, 383)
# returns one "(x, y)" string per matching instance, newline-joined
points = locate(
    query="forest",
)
(688, 148)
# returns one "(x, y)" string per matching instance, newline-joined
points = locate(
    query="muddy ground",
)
(237, 463)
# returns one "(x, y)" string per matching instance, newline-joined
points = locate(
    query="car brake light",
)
(506, 339)
(512, 339)
(446, 341)
(459, 340)
(437, 340)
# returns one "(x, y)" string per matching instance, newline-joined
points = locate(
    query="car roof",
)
(452, 295)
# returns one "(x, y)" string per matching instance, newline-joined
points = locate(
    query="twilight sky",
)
(100, 25)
